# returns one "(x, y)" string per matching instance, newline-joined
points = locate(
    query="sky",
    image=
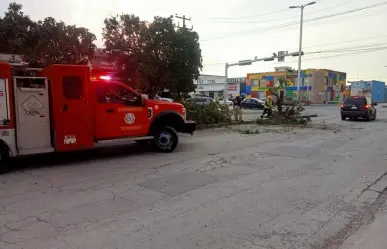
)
(238, 30)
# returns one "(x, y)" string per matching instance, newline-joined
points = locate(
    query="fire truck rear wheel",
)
(166, 139)
(4, 156)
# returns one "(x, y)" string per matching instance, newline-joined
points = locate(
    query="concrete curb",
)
(209, 126)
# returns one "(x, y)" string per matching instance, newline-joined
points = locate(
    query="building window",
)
(72, 87)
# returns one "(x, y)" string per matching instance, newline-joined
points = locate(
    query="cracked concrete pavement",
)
(282, 188)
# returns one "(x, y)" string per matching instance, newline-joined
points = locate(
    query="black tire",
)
(4, 158)
(374, 117)
(166, 139)
(368, 117)
(343, 117)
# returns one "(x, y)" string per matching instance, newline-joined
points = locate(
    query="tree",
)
(154, 56)
(15, 30)
(61, 43)
(279, 93)
(44, 42)
(123, 41)
(187, 61)
(287, 108)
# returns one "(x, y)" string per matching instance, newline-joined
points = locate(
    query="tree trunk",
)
(280, 101)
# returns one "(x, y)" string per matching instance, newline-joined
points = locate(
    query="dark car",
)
(355, 107)
(252, 103)
(200, 101)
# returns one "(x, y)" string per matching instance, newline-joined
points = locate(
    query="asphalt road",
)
(277, 188)
(324, 112)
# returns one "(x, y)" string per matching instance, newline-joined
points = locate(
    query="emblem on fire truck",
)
(32, 106)
(130, 118)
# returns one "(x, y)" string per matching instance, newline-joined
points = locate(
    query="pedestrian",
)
(237, 105)
(267, 107)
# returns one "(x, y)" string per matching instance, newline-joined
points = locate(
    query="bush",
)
(214, 113)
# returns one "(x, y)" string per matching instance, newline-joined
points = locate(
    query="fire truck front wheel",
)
(166, 139)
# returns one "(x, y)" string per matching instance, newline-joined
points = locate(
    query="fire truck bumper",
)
(189, 127)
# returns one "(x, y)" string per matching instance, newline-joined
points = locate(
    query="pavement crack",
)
(374, 183)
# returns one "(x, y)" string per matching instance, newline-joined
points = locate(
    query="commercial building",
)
(210, 85)
(317, 85)
(235, 86)
(213, 85)
(372, 88)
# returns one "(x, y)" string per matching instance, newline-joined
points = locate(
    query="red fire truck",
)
(64, 108)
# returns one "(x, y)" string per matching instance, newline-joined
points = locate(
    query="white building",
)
(210, 85)
(213, 85)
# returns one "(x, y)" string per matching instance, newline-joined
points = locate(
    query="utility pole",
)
(300, 41)
(184, 18)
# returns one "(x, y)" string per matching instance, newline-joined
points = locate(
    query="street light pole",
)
(300, 42)
(225, 84)
(300, 49)
(226, 66)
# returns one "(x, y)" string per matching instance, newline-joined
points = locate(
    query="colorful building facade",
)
(316, 86)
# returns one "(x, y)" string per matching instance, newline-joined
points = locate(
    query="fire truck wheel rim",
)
(165, 140)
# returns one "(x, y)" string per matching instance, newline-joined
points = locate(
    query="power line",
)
(345, 19)
(340, 55)
(216, 19)
(284, 25)
(244, 17)
(353, 50)
(278, 19)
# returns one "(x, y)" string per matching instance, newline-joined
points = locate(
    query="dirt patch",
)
(362, 218)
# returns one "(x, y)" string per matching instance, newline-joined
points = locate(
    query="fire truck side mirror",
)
(140, 99)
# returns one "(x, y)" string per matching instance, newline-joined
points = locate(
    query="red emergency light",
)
(105, 77)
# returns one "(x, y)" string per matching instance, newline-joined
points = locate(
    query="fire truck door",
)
(119, 113)
(73, 127)
(32, 115)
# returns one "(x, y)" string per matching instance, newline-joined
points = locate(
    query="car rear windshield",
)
(355, 101)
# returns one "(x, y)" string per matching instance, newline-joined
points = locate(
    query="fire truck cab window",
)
(116, 94)
(72, 87)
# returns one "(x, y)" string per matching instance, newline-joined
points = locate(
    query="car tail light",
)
(367, 106)
(342, 105)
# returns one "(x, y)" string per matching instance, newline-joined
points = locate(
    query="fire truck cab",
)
(62, 108)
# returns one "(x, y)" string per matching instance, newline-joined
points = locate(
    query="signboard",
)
(231, 87)
(102, 63)
(237, 80)
(210, 79)
(281, 56)
(13, 59)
